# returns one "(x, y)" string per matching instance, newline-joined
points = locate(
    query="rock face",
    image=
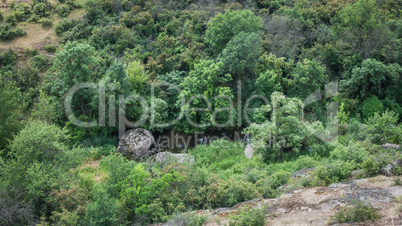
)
(316, 205)
(136, 144)
(168, 157)
(390, 146)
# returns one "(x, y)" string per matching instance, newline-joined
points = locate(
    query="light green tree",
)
(206, 81)
(285, 131)
(308, 76)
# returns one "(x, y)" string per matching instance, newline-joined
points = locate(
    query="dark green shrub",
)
(50, 48)
(46, 22)
(358, 212)
(39, 62)
(7, 32)
(11, 19)
(63, 10)
(371, 106)
(8, 57)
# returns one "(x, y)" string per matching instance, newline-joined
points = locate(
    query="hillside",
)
(185, 112)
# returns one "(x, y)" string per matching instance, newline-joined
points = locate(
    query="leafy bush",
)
(371, 106)
(62, 10)
(50, 48)
(354, 153)
(249, 216)
(46, 22)
(334, 171)
(40, 62)
(7, 32)
(359, 212)
(383, 128)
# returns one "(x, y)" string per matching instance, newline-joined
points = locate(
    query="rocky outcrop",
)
(169, 157)
(315, 206)
(136, 144)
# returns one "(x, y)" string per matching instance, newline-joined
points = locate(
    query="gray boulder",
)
(169, 157)
(390, 146)
(136, 144)
(249, 151)
(389, 170)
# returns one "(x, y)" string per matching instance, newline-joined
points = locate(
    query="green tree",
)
(372, 78)
(137, 77)
(223, 27)
(9, 111)
(241, 54)
(361, 26)
(307, 77)
(206, 82)
(273, 74)
(285, 131)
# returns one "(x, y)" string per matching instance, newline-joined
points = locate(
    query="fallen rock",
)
(389, 170)
(302, 173)
(136, 144)
(169, 157)
(390, 146)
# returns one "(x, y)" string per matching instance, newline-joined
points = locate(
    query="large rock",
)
(249, 151)
(136, 144)
(389, 170)
(390, 146)
(169, 157)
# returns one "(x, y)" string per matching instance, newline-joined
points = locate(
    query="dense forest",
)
(314, 83)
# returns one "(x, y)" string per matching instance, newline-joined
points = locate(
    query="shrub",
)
(8, 57)
(359, 212)
(39, 62)
(371, 106)
(249, 216)
(333, 172)
(7, 32)
(46, 22)
(383, 128)
(51, 48)
(188, 219)
(11, 19)
(63, 10)
(354, 153)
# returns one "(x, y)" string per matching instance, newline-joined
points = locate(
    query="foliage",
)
(223, 27)
(358, 212)
(241, 53)
(137, 77)
(249, 216)
(7, 32)
(371, 78)
(202, 86)
(383, 128)
(285, 131)
(40, 62)
(14, 208)
(334, 171)
(9, 112)
(371, 106)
